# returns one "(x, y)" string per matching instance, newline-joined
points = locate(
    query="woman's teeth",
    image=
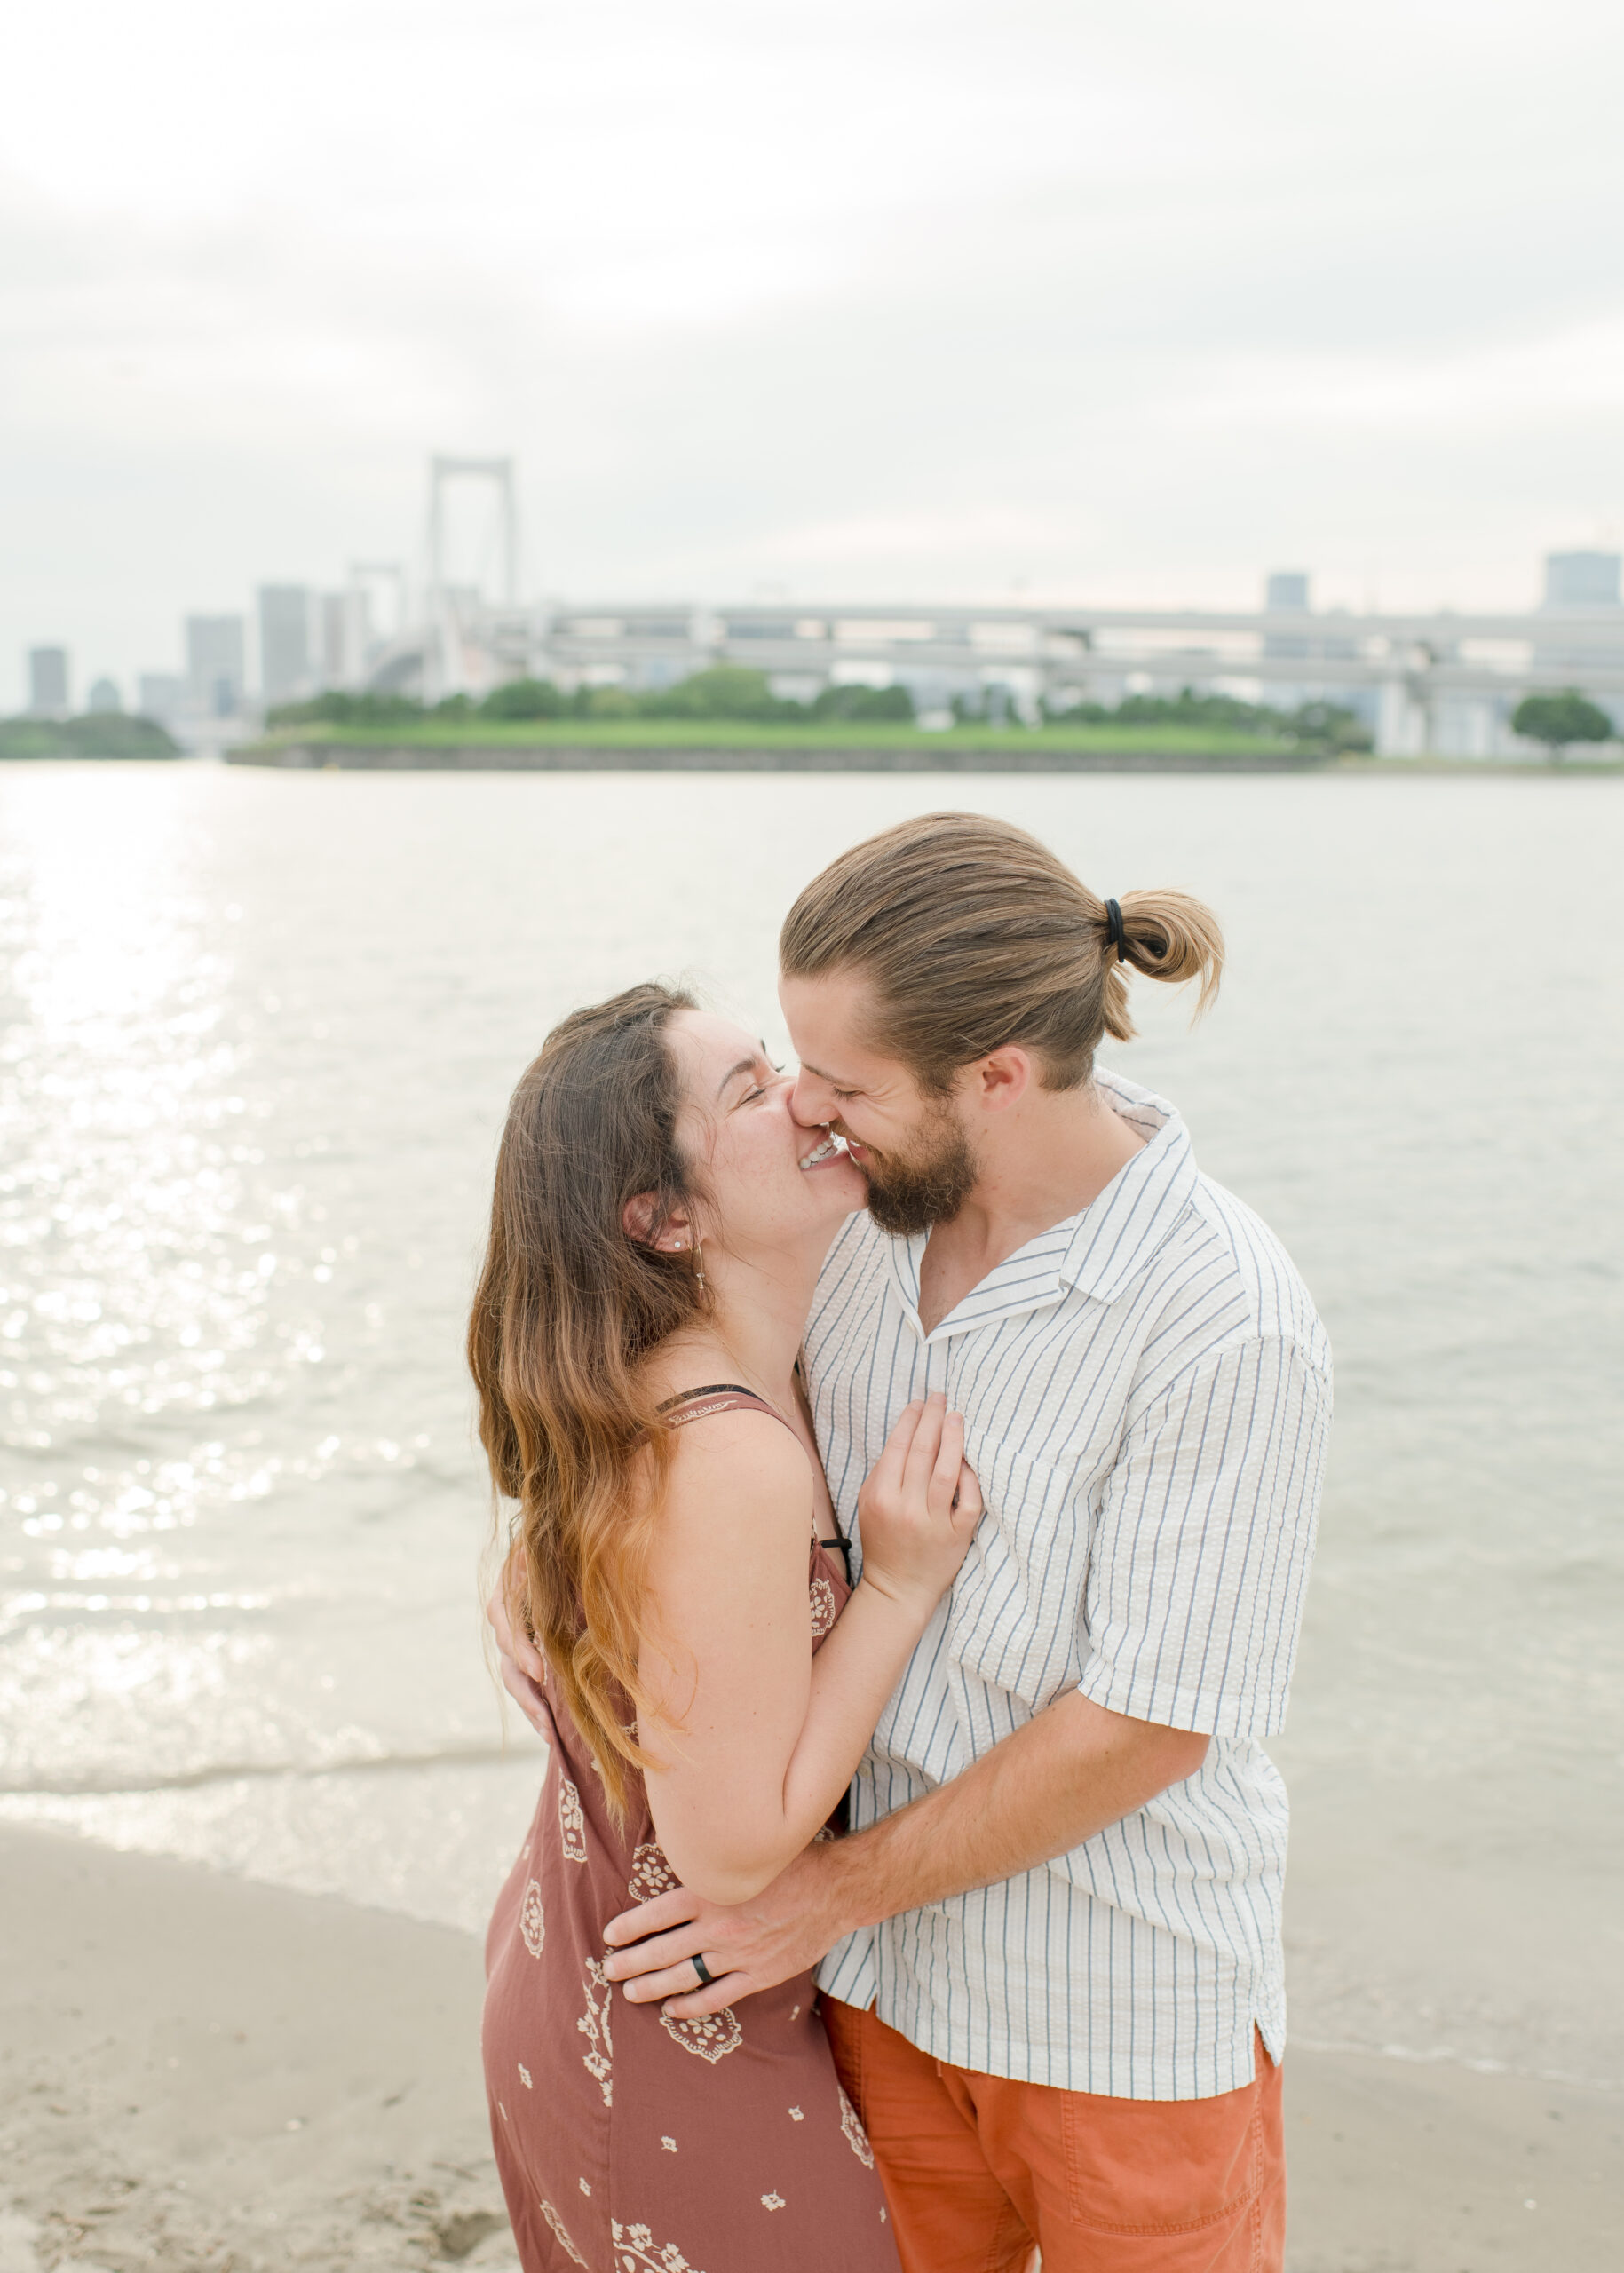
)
(830, 1146)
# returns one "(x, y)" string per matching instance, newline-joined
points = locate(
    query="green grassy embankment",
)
(464, 741)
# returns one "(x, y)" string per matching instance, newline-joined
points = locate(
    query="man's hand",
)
(522, 1667)
(1066, 1774)
(784, 1931)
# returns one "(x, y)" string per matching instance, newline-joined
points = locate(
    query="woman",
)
(658, 1224)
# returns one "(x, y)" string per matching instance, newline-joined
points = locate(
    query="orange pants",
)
(980, 2170)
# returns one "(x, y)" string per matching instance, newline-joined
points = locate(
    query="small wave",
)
(1445, 2055)
(192, 1780)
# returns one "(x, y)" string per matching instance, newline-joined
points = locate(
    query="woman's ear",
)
(642, 1221)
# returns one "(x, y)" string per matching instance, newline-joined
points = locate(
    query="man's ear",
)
(642, 1221)
(1001, 1079)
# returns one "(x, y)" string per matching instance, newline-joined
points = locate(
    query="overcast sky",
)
(861, 299)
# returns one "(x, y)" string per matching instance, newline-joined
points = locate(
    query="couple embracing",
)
(917, 1461)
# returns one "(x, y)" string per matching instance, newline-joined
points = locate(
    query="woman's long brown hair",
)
(568, 1307)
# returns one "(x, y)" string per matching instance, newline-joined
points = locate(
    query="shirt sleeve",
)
(1201, 1550)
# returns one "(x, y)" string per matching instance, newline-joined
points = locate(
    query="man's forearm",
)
(1042, 1791)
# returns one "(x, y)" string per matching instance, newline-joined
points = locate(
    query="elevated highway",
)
(1422, 680)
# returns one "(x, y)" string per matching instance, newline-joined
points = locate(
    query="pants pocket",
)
(1162, 2166)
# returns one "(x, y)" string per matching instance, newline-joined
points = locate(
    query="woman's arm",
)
(756, 1737)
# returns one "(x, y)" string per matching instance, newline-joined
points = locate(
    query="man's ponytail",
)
(1168, 936)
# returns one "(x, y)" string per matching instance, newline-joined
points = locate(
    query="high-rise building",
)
(213, 663)
(48, 681)
(1581, 579)
(104, 695)
(345, 636)
(284, 641)
(1285, 592)
(1586, 583)
(161, 696)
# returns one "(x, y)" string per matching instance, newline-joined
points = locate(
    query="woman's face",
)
(769, 1180)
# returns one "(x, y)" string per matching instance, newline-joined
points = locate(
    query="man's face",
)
(911, 1147)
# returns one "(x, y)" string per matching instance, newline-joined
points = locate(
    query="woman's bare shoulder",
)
(743, 1437)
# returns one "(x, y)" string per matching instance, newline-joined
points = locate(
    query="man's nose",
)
(808, 1101)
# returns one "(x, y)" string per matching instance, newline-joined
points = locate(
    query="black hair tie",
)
(1114, 920)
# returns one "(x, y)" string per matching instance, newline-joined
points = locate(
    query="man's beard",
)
(908, 1193)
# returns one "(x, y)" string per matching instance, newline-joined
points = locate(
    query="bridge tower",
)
(445, 666)
(499, 473)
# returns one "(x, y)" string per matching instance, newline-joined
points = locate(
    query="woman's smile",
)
(829, 1148)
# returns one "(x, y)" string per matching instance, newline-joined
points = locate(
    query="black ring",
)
(1114, 920)
(706, 1977)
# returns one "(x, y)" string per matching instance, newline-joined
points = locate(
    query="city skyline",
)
(295, 638)
(1441, 681)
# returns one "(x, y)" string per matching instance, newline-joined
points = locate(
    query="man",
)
(1053, 1980)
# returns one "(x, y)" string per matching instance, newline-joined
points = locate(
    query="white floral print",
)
(712, 2036)
(796, 2115)
(651, 1873)
(857, 2138)
(523, 2077)
(594, 2024)
(572, 1822)
(823, 1611)
(532, 1924)
(636, 2250)
(774, 2201)
(560, 2236)
(670, 2145)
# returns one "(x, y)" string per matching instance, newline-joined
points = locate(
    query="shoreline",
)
(203, 2071)
(752, 757)
(929, 755)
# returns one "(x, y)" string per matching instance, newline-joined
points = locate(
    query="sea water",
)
(260, 1033)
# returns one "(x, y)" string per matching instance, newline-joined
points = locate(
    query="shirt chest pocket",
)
(1014, 1610)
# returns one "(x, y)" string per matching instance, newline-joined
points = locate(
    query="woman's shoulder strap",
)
(717, 1396)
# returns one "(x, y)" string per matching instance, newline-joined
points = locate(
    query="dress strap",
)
(717, 1396)
(732, 1397)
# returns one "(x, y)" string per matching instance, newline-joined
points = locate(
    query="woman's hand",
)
(920, 1506)
(521, 1664)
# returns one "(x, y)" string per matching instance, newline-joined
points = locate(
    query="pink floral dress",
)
(630, 2143)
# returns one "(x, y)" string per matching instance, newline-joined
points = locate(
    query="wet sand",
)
(198, 2072)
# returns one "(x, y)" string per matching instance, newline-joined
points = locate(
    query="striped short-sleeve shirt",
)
(1148, 1396)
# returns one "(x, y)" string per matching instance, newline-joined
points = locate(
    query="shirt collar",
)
(1099, 1251)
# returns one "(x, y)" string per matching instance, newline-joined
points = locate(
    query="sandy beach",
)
(204, 2072)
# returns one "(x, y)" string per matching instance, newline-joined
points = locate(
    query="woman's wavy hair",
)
(567, 1308)
(972, 935)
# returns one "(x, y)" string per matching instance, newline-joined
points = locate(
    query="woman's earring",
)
(698, 1263)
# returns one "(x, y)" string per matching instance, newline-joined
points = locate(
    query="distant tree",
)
(1074, 714)
(1330, 725)
(992, 706)
(1559, 719)
(868, 705)
(1319, 725)
(99, 733)
(337, 708)
(523, 697)
(1220, 713)
(725, 691)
